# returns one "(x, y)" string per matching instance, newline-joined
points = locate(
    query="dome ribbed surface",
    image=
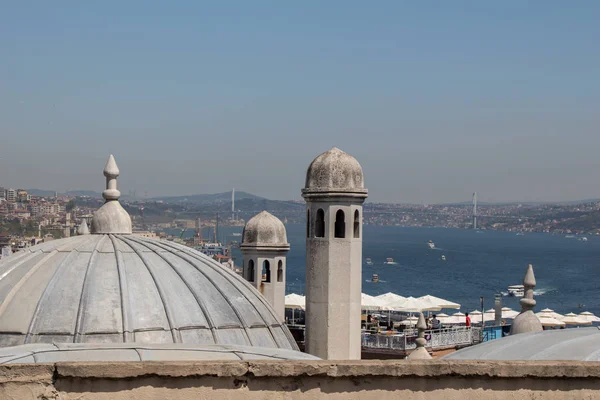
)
(334, 170)
(264, 229)
(130, 289)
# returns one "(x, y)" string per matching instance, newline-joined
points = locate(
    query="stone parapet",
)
(435, 379)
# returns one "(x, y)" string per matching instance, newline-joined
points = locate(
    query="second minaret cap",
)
(334, 172)
(264, 230)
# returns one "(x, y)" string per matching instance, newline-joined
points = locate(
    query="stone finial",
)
(527, 302)
(420, 353)
(111, 217)
(527, 321)
(111, 172)
(83, 228)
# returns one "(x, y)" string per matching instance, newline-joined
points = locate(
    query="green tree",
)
(70, 205)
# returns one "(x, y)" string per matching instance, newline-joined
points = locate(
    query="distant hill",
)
(208, 198)
(88, 193)
(40, 192)
(72, 193)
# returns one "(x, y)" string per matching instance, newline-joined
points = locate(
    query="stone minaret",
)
(264, 247)
(527, 321)
(334, 194)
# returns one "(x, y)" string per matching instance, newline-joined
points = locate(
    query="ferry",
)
(369, 261)
(516, 290)
(389, 260)
(375, 278)
(431, 244)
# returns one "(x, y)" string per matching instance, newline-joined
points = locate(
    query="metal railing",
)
(441, 338)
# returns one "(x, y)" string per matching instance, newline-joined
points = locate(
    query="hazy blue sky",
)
(435, 99)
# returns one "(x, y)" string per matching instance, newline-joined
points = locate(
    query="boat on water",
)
(516, 290)
(520, 234)
(368, 261)
(375, 278)
(569, 236)
(389, 260)
(431, 244)
(443, 257)
(584, 239)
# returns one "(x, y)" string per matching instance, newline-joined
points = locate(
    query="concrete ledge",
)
(383, 368)
(27, 373)
(303, 380)
(127, 370)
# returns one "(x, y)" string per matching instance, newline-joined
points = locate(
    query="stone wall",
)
(362, 380)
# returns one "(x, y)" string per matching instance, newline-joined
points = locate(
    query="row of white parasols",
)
(393, 302)
(386, 302)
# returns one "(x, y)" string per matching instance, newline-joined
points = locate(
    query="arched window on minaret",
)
(320, 223)
(251, 271)
(356, 224)
(266, 271)
(307, 223)
(340, 224)
(280, 271)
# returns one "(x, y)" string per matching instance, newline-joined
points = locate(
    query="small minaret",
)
(83, 228)
(111, 217)
(527, 321)
(420, 353)
(264, 248)
(334, 193)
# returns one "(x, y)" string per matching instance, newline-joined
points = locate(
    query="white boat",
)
(584, 239)
(443, 258)
(431, 244)
(369, 261)
(375, 278)
(520, 234)
(516, 290)
(389, 260)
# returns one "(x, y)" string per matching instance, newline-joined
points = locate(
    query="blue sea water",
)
(477, 264)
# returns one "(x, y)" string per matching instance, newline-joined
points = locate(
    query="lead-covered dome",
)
(116, 287)
(264, 230)
(334, 171)
(130, 289)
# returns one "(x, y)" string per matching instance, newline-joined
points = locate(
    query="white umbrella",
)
(573, 319)
(588, 316)
(476, 317)
(550, 313)
(392, 300)
(547, 320)
(455, 319)
(442, 316)
(295, 301)
(412, 304)
(409, 321)
(440, 302)
(509, 313)
(371, 303)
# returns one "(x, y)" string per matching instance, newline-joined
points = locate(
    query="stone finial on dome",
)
(420, 353)
(265, 230)
(83, 228)
(527, 321)
(111, 172)
(111, 217)
(334, 172)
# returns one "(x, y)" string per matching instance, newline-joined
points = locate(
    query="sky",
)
(435, 99)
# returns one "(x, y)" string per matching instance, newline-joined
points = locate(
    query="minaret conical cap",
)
(111, 169)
